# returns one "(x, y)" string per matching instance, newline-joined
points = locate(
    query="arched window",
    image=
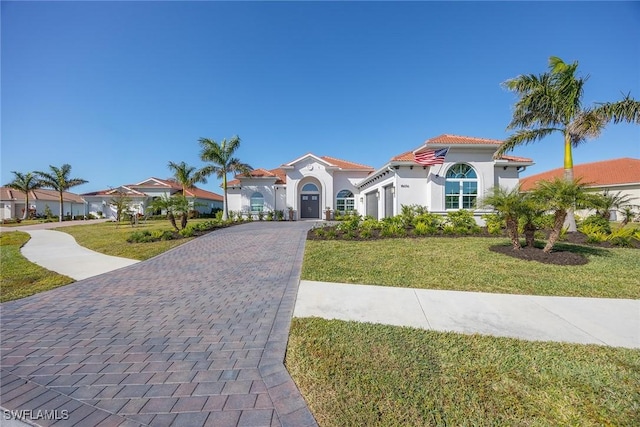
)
(310, 188)
(257, 202)
(461, 187)
(345, 202)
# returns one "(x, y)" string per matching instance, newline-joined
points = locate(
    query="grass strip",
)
(20, 277)
(356, 374)
(111, 238)
(467, 264)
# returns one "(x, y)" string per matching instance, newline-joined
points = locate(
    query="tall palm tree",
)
(223, 162)
(552, 102)
(188, 177)
(26, 183)
(58, 179)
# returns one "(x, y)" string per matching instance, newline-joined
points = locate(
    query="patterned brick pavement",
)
(194, 337)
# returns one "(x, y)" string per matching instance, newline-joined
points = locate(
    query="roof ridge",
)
(346, 161)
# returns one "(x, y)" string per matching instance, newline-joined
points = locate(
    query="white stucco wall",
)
(310, 170)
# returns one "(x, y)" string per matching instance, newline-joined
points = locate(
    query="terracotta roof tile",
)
(260, 173)
(404, 157)
(461, 140)
(607, 172)
(7, 193)
(515, 159)
(344, 164)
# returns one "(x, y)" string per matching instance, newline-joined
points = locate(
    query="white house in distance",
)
(311, 184)
(143, 193)
(13, 203)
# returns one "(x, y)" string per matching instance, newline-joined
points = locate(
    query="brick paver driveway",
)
(193, 337)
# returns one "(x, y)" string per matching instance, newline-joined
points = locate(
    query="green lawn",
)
(21, 278)
(358, 374)
(466, 264)
(111, 238)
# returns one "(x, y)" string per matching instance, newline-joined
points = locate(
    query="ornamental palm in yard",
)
(26, 183)
(58, 179)
(510, 205)
(560, 196)
(221, 155)
(552, 102)
(187, 176)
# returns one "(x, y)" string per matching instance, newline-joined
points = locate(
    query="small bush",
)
(187, 232)
(495, 223)
(622, 237)
(463, 222)
(594, 233)
(140, 237)
(366, 234)
(596, 223)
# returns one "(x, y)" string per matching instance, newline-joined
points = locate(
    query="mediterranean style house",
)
(616, 175)
(464, 169)
(13, 203)
(142, 194)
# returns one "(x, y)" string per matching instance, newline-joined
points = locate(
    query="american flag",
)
(431, 157)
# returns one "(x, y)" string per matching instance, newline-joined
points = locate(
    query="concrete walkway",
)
(614, 322)
(193, 337)
(59, 252)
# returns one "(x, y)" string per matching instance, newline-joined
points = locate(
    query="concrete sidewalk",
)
(59, 252)
(614, 322)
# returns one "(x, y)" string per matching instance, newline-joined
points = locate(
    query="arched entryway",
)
(309, 201)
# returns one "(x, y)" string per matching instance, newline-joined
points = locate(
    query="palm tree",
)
(560, 196)
(221, 155)
(606, 201)
(628, 215)
(188, 177)
(167, 204)
(510, 205)
(552, 102)
(26, 183)
(58, 179)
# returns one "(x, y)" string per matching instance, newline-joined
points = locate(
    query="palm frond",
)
(523, 137)
(626, 110)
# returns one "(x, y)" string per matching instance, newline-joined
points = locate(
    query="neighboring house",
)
(311, 184)
(616, 175)
(13, 203)
(142, 194)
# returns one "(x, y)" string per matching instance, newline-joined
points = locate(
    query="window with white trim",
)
(461, 187)
(345, 202)
(257, 202)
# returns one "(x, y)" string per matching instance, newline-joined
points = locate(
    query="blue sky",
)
(119, 89)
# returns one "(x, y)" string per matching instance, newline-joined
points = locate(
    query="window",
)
(257, 202)
(345, 202)
(461, 187)
(310, 187)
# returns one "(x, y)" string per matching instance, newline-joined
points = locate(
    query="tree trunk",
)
(512, 231)
(558, 223)
(225, 208)
(25, 215)
(61, 208)
(568, 176)
(183, 220)
(172, 220)
(530, 234)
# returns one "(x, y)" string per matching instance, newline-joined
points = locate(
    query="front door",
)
(309, 206)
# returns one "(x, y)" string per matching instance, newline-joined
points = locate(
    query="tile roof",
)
(448, 139)
(7, 193)
(515, 159)
(277, 173)
(138, 189)
(606, 172)
(344, 164)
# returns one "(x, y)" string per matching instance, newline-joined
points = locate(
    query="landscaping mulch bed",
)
(557, 257)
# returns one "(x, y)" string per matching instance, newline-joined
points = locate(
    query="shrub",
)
(187, 232)
(369, 224)
(393, 229)
(260, 216)
(433, 221)
(463, 222)
(320, 232)
(349, 223)
(270, 216)
(597, 221)
(421, 229)
(622, 237)
(140, 237)
(366, 234)
(593, 232)
(495, 223)
(279, 215)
